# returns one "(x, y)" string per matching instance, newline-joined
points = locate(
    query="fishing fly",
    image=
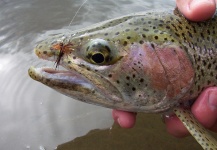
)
(57, 62)
(65, 49)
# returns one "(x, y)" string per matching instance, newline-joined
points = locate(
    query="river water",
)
(33, 116)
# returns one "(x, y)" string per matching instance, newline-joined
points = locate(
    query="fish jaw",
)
(60, 80)
(73, 85)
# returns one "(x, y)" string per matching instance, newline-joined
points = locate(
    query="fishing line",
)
(77, 12)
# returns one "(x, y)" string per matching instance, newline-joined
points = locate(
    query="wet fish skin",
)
(156, 60)
(148, 62)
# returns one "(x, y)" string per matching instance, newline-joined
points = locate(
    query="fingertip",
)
(175, 127)
(124, 119)
(197, 10)
(205, 107)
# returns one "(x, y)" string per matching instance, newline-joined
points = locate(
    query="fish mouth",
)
(74, 85)
(61, 79)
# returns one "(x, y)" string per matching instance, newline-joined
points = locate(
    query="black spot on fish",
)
(141, 42)
(204, 62)
(180, 27)
(144, 29)
(209, 66)
(167, 27)
(202, 72)
(136, 29)
(198, 87)
(107, 48)
(201, 34)
(117, 33)
(125, 43)
(156, 31)
(152, 45)
(208, 31)
(211, 74)
(177, 34)
(87, 48)
(143, 35)
(89, 56)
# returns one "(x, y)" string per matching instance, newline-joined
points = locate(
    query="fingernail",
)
(213, 99)
(194, 3)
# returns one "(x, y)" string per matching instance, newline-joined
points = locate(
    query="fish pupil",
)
(98, 58)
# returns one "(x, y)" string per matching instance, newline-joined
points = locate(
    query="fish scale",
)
(143, 62)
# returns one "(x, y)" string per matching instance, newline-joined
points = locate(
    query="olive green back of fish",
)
(200, 42)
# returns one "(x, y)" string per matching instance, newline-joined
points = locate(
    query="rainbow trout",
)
(143, 62)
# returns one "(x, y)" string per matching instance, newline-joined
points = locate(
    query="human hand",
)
(204, 110)
(197, 10)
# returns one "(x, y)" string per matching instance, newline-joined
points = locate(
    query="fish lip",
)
(48, 76)
(55, 71)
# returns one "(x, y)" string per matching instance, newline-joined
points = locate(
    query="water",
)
(33, 116)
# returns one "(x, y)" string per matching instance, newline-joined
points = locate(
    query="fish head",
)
(115, 64)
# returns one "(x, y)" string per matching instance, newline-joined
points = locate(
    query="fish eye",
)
(100, 52)
(98, 58)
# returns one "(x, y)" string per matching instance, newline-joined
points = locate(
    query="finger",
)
(197, 10)
(175, 127)
(205, 108)
(124, 119)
